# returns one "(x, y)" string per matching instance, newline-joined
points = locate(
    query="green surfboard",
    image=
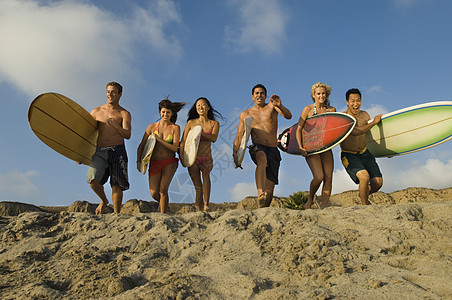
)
(411, 129)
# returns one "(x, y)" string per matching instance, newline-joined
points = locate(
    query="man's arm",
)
(358, 130)
(126, 129)
(280, 108)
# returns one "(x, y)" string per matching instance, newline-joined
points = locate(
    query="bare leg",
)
(206, 168)
(206, 185)
(167, 176)
(261, 173)
(195, 175)
(363, 186)
(116, 198)
(99, 190)
(315, 164)
(154, 186)
(269, 187)
(328, 167)
(375, 184)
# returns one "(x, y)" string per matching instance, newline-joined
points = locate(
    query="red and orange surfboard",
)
(320, 133)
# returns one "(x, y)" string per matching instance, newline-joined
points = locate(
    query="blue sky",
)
(398, 52)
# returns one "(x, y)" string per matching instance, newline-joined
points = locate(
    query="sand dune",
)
(389, 251)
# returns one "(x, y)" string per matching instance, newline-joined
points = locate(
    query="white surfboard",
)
(191, 146)
(243, 143)
(411, 129)
(147, 153)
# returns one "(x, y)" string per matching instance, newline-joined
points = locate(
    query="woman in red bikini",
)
(163, 162)
(202, 113)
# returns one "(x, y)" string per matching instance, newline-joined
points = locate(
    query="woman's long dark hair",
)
(175, 107)
(212, 114)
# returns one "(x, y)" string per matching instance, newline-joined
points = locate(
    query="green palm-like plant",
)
(296, 200)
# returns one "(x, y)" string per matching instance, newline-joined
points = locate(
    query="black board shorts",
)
(355, 162)
(273, 160)
(109, 162)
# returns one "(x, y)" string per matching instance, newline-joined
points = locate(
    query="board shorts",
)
(110, 162)
(355, 162)
(157, 166)
(273, 160)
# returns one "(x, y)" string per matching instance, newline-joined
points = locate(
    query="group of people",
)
(110, 159)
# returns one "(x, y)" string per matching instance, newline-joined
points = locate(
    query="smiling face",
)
(354, 104)
(113, 94)
(165, 114)
(259, 96)
(202, 108)
(319, 95)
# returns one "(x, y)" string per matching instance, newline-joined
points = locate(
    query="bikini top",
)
(206, 132)
(315, 110)
(169, 137)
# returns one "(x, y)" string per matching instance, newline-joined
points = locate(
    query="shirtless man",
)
(110, 158)
(264, 151)
(357, 160)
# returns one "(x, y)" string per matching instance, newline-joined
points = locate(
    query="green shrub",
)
(297, 200)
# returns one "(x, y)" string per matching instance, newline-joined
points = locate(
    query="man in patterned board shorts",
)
(110, 158)
(357, 160)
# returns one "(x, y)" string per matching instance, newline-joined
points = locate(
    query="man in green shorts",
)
(357, 160)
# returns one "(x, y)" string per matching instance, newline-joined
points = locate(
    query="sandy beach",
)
(399, 247)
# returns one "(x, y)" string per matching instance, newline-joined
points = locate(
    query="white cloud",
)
(261, 28)
(376, 109)
(16, 184)
(434, 174)
(373, 90)
(74, 48)
(151, 23)
(342, 182)
(242, 190)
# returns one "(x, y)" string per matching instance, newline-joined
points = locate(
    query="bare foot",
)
(198, 206)
(268, 200)
(323, 204)
(261, 199)
(206, 208)
(100, 209)
(308, 204)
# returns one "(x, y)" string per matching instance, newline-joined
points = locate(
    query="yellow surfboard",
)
(64, 126)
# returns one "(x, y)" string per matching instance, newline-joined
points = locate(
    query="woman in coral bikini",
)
(202, 113)
(163, 162)
(322, 164)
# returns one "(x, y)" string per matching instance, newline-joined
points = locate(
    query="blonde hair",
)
(327, 90)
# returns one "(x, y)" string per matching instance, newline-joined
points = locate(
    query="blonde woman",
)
(321, 164)
(202, 113)
(163, 162)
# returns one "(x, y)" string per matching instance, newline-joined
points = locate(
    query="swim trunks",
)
(157, 166)
(273, 160)
(355, 162)
(109, 162)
